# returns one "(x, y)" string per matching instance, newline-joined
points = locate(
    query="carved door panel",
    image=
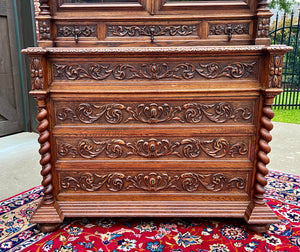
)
(11, 115)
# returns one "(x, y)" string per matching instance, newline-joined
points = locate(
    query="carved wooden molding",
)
(115, 113)
(225, 29)
(152, 182)
(36, 68)
(151, 30)
(201, 50)
(153, 71)
(275, 72)
(76, 30)
(153, 148)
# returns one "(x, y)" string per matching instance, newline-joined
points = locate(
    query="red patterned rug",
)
(156, 234)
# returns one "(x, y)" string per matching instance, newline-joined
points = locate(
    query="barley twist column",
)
(264, 149)
(45, 150)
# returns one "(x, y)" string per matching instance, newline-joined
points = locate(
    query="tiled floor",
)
(20, 168)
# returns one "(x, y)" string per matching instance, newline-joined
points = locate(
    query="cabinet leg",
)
(48, 227)
(258, 228)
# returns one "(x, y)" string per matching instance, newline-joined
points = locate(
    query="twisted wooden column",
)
(45, 150)
(264, 149)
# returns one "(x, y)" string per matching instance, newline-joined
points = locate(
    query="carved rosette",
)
(36, 68)
(154, 71)
(44, 29)
(151, 30)
(153, 113)
(275, 72)
(152, 182)
(263, 27)
(153, 148)
(45, 149)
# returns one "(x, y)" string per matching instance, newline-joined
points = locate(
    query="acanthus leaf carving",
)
(151, 30)
(153, 71)
(220, 112)
(153, 148)
(152, 182)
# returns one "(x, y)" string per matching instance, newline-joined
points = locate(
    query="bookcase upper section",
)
(106, 23)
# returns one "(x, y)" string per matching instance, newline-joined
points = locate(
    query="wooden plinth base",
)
(258, 217)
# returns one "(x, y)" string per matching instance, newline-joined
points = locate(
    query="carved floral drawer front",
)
(151, 182)
(229, 30)
(94, 147)
(216, 112)
(180, 71)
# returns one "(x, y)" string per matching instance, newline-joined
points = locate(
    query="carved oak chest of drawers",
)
(146, 117)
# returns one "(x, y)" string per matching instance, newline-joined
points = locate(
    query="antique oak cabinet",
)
(154, 108)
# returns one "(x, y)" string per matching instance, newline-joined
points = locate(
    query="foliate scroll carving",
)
(152, 182)
(153, 71)
(153, 148)
(89, 113)
(44, 29)
(263, 27)
(36, 69)
(76, 30)
(219, 112)
(151, 30)
(275, 72)
(225, 29)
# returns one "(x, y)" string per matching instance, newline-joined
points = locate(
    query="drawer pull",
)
(152, 30)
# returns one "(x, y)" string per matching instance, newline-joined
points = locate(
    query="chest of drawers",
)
(155, 130)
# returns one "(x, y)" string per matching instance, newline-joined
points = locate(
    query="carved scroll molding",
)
(153, 71)
(152, 182)
(151, 30)
(154, 148)
(225, 29)
(36, 69)
(76, 30)
(116, 113)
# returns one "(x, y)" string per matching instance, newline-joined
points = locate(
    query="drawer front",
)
(157, 111)
(171, 69)
(99, 146)
(143, 182)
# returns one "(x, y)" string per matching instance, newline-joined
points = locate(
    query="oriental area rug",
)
(155, 234)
